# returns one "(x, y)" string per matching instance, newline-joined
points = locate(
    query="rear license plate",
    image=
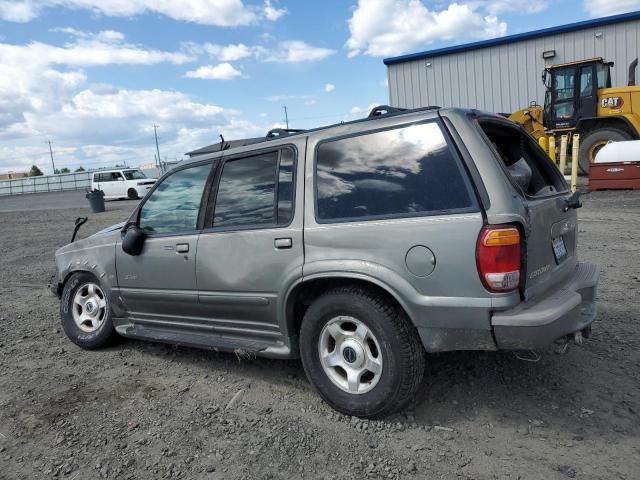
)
(559, 249)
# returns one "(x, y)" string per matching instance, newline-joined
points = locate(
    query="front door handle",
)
(182, 248)
(283, 243)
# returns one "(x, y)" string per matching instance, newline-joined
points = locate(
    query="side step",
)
(215, 342)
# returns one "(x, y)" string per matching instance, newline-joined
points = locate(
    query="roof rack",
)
(275, 133)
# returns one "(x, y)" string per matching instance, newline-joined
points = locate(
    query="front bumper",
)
(571, 308)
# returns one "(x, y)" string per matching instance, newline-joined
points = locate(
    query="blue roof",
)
(515, 38)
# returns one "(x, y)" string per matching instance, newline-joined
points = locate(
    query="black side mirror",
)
(133, 240)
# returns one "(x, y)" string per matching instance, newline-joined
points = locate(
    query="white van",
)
(126, 183)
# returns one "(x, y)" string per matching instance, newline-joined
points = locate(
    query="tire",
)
(89, 331)
(392, 342)
(593, 141)
(132, 194)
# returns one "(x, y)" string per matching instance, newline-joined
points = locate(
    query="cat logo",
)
(612, 102)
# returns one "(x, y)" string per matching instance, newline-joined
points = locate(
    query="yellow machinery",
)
(579, 99)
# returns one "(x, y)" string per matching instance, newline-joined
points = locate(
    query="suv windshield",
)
(134, 175)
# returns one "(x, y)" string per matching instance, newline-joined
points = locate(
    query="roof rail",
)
(384, 110)
(282, 132)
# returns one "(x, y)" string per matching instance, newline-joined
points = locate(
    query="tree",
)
(79, 169)
(64, 170)
(35, 172)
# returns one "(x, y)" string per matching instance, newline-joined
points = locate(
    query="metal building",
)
(504, 74)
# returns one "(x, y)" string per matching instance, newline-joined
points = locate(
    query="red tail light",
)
(498, 257)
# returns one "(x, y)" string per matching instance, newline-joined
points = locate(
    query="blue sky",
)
(93, 76)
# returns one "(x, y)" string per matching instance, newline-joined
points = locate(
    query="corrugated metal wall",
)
(505, 78)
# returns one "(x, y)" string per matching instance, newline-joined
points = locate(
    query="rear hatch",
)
(550, 217)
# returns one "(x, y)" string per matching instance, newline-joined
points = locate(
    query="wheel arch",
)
(302, 294)
(587, 125)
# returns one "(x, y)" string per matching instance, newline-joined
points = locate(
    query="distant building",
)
(504, 74)
(12, 175)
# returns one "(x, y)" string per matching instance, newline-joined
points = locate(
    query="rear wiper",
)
(572, 202)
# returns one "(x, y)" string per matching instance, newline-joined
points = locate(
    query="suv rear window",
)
(525, 162)
(405, 171)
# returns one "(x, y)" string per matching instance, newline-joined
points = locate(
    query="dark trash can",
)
(96, 200)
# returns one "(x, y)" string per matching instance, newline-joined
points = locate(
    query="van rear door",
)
(550, 229)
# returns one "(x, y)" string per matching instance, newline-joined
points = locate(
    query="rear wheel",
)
(132, 194)
(591, 144)
(361, 352)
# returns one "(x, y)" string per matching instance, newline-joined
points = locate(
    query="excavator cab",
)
(572, 91)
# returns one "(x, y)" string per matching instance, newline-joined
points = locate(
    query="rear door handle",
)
(283, 243)
(182, 248)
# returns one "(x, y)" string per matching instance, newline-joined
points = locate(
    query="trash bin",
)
(96, 200)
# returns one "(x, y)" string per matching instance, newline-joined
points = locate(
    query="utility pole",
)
(155, 131)
(51, 153)
(286, 116)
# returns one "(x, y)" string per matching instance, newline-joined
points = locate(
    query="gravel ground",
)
(147, 411)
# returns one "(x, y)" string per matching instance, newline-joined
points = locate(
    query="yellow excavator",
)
(579, 99)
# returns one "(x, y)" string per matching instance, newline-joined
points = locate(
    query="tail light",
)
(498, 257)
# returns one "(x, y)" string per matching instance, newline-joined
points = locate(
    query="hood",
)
(112, 228)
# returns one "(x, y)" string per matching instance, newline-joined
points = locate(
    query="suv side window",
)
(248, 191)
(405, 171)
(174, 205)
(116, 176)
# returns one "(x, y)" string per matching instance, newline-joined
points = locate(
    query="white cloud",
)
(272, 13)
(329, 87)
(222, 13)
(223, 71)
(601, 8)
(224, 53)
(294, 51)
(497, 7)
(376, 33)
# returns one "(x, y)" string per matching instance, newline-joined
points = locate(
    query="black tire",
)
(132, 194)
(403, 355)
(104, 335)
(590, 144)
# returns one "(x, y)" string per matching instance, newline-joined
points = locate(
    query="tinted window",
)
(403, 171)
(285, 187)
(174, 205)
(246, 194)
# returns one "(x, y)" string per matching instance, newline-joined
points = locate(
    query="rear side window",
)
(256, 191)
(401, 172)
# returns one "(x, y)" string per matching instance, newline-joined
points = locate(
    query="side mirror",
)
(133, 240)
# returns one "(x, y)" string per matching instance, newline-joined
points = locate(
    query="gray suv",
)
(357, 247)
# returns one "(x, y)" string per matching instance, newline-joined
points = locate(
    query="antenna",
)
(51, 153)
(286, 116)
(155, 132)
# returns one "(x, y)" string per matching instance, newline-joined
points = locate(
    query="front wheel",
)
(361, 352)
(591, 144)
(132, 194)
(85, 312)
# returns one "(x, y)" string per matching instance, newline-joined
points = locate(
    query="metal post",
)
(552, 148)
(563, 153)
(286, 116)
(543, 144)
(51, 152)
(155, 132)
(574, 162)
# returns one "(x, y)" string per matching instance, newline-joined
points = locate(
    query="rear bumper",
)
(540, 322)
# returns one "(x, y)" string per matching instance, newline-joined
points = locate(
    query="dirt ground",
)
(149, 411)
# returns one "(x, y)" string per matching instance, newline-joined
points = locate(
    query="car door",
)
(117, 185)
(588, 93)
(252, 251)
(159, 285)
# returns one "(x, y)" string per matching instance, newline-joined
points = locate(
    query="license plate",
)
(559, 250)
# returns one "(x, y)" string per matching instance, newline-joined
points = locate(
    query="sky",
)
(95, 76)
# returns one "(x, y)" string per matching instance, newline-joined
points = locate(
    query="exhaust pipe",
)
(632, 73)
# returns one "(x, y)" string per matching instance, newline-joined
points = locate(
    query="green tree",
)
(35, 172)
(65, 170)
(79, 169)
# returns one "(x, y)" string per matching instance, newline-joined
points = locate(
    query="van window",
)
(525, 162)
(174, 205)
(134, 175)
(401, 172)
